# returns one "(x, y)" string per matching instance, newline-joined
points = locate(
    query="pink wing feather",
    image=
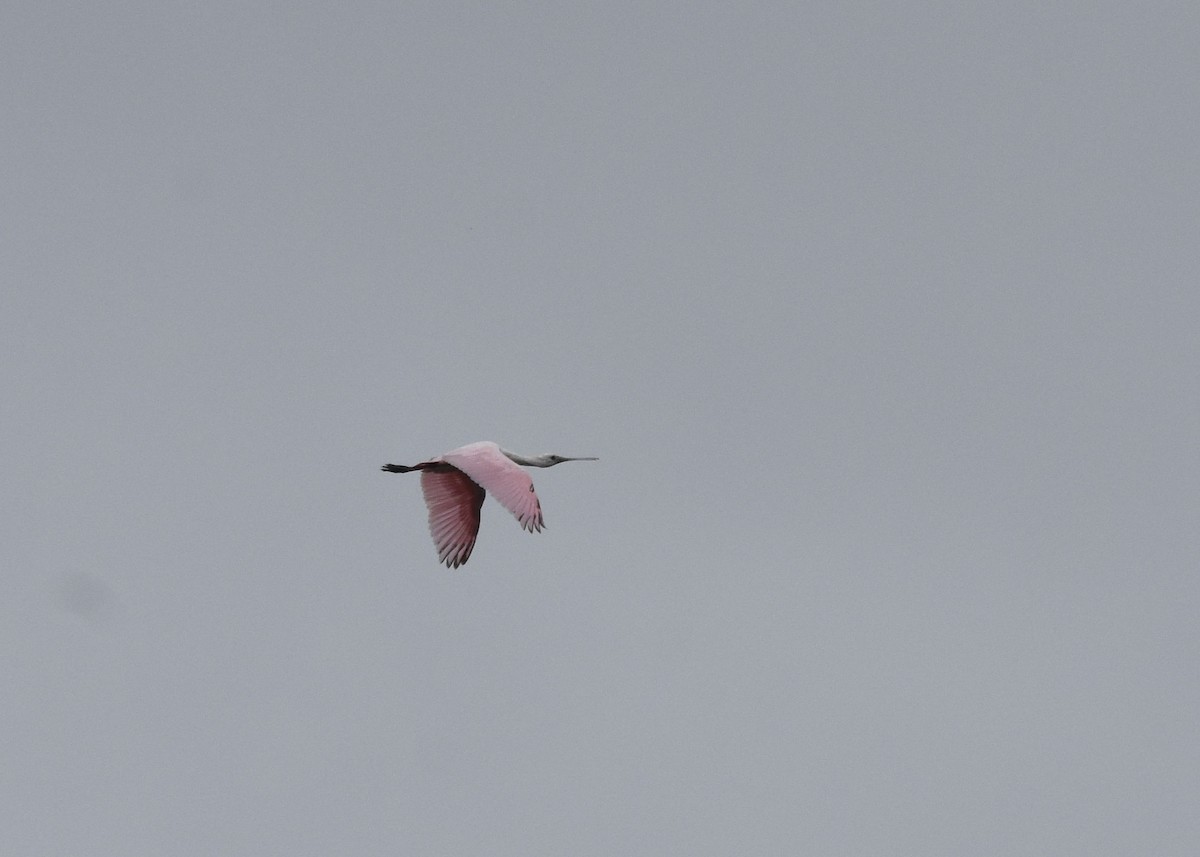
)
(504, 478)
(454, 486)
(453, 501)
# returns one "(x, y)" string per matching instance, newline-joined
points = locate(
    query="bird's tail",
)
(398, 468)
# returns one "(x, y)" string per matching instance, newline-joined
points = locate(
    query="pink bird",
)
(454, 485)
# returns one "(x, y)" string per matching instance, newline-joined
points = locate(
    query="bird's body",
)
(454, 485)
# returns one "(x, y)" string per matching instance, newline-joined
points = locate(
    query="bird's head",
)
(552, 460)
(541, 460)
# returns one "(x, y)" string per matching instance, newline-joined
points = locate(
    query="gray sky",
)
(883, 320)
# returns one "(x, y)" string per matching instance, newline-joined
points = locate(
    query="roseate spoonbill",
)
(454, 485)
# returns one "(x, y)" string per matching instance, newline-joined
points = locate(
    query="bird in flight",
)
(454, 485)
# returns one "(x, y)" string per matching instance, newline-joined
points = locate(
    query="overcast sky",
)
(883, 319)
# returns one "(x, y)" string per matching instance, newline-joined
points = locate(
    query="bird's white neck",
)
(529, 460)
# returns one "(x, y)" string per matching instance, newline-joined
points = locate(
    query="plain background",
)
(882, 319)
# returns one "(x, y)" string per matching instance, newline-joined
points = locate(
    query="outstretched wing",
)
(503, 478)
(453, 501)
